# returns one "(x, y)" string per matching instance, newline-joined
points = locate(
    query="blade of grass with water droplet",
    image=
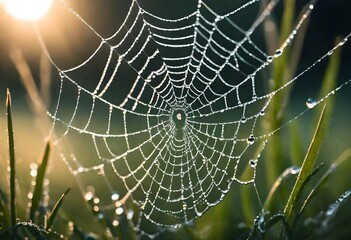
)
(57, 206)
(37, 194)
(307, 166)
(11, 158)
(333, 209)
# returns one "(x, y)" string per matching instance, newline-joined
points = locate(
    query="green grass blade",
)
(307, 166)
(331, 73)
(12, 158)
(330, 81)
(57, 206)
(317, 188)
(39, 182)
(334, 207)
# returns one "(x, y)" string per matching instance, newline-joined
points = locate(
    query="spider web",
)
(172, 113)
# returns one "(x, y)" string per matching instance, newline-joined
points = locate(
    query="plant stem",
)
(12, 158)
(307, 167)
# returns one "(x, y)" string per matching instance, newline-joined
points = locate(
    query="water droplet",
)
(101, 216)
(243, 120)
(115, 223)
(253, 163)
(33, 166)
(251, 139)
(310, 103)
(185, 206)
(119, 210)
(342, 42)
(269, 58)
(80, 169)
(330, 212)
(262, 113)
(182, 197)
(199, 214)
(70, 226)
(96, 208)
(278, 53)
(33, 172)
(179, 116)
(115, 196)
(295, 170)
(88, 196)
(96, 200)
(130, 214)
(30, 195)
(118, 204)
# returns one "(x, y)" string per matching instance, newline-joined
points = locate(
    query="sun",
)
(27, 9)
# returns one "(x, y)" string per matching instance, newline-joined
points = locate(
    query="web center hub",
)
(179, 118)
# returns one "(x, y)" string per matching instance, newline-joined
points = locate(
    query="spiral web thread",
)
(184, 129)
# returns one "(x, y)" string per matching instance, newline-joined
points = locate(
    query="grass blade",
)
(330, 81)
(39, 182)
(333, 208)
(12, 158)
(307, 166)
(315, 191)
(57, 206)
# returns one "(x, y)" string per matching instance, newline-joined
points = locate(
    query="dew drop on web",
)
(251, 139)
(310, 103)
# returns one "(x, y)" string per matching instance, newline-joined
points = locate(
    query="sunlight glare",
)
(28, 9)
